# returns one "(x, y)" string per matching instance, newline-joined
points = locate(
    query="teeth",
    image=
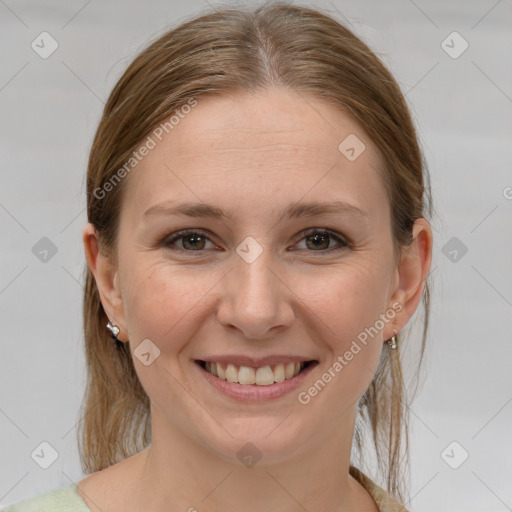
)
(231, 373)
(279, 374)
(264, 376)
(289, 370)
(212, 368)
(247, 376)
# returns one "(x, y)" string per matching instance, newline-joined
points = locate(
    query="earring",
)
(392, 342)
(114, 330)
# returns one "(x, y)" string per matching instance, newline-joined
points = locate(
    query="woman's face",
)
(254, 287)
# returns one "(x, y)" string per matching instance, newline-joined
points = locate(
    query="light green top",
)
(66, 499)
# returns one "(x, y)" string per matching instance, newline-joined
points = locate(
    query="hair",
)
(223, 51)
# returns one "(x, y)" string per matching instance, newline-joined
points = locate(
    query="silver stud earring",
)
(114, 330)
(392, 342)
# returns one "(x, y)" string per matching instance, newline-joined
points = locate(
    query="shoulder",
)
(64, 499)
(384, 500)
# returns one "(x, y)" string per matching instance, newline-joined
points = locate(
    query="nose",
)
(255, 298)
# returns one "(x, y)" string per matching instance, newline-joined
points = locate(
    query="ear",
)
(411, 275)
(107, 279)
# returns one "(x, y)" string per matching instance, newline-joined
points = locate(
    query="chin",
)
(259, 442)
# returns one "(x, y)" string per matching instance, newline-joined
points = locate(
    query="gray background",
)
(463, 108)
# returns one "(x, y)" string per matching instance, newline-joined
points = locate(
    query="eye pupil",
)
(319, 238)
(198, 239)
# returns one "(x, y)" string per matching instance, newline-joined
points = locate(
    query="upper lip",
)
(257, 362)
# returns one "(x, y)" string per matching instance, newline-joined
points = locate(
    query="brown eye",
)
(319, 241)
(192, 241)
(316, 240)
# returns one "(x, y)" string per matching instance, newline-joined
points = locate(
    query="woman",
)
(257, 240)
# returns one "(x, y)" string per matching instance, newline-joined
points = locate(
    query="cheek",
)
(158, 298)
(350, 307)
(168, 304)
(351, 301)
(162, 304)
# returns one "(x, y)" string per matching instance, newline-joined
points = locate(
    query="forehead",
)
(252, 148)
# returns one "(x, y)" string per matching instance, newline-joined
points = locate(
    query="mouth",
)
(251, 376)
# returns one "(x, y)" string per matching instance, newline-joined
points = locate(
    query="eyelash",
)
(343, 244)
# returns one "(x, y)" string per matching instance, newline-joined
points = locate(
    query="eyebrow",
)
(296, 210)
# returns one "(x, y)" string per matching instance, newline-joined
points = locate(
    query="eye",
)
(317, 240)
(192, 240)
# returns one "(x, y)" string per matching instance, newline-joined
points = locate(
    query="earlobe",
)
(106, 277)
(412, 272)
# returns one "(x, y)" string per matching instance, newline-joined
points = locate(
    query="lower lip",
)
(255, 393)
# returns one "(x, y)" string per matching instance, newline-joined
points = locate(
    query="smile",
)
(262, 376)
(255, 384)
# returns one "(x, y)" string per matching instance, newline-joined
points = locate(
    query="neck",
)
(176, 469)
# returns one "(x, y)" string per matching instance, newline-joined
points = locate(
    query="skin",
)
(253, 154)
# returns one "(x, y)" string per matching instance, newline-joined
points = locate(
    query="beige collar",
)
(382, 498)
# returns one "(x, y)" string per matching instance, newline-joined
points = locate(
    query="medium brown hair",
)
(223, 51)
